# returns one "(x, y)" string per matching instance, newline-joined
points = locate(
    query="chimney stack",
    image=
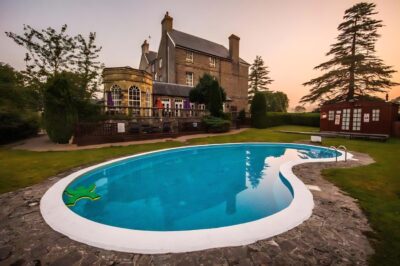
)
(234, 47)
(166, 23)
(145, 47)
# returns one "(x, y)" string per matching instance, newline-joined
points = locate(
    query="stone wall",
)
(126, 77)
(233, 77)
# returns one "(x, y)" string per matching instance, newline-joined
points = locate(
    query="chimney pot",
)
(167, 23)
(145, 47)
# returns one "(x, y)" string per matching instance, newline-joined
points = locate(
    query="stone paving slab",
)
(334, 234)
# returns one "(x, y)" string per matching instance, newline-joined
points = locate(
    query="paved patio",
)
(43, 143)
(334, 235)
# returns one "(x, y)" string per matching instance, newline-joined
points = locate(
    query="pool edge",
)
(61, 219)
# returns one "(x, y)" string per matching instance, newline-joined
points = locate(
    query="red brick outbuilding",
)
(366, 117)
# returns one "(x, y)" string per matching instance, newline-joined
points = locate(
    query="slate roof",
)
(151, 56)
(199, 44)
(170, 89)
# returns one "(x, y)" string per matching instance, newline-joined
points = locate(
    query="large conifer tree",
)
(354, 71)
(258, 78)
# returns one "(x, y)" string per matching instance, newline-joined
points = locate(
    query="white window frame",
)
(148, 98)
(116, 95)
(213, 61)
(346, 119)
(189, 79)
(356, 119)
(375, 115)
(160, 63)
(155, 76)
(134, 98)
(189, 56)
(331, 115)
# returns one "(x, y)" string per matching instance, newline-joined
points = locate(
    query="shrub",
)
(300, 119)
(258, 110)
(88, 111)
(15, 126)
(226, 116)
(59, 110)
(241, 115)
(216, 124)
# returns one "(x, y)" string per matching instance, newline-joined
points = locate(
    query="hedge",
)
(15, 126)
(299, 119)
(216, 125)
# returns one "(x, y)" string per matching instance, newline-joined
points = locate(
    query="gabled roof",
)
(199, 44)
(170, 89)
(151, 56)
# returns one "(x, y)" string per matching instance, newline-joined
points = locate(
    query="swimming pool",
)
(186, 198)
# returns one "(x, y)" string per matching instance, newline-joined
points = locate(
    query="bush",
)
(300, 119)
(15, 126)
(226, 116)
(241, 115)
(59, 110)
(258, 110)
(216, 124)
(88, 111)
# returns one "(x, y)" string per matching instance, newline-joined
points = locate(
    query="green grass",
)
(376, 186)
(24, 168)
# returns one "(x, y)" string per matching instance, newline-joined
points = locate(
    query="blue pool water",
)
(192, 188)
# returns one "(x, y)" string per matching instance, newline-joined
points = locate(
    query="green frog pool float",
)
(81, 192)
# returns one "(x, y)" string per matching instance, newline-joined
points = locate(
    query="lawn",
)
(376, 186)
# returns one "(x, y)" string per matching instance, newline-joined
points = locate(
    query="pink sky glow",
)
(292, 36)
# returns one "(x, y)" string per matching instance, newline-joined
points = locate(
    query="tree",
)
(11, 86)
(59, 110)
(215, 100)
(86, 61)
(51, 52)
(354, 70)
(299, 109)
(258, 110)
(258, 78)
(276, 101)
(208, 92)
(17, 120)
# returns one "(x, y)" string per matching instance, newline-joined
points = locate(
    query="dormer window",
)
(160, 63)
(213, 62)
(189, 57)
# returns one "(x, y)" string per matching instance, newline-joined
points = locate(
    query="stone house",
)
(183, 58)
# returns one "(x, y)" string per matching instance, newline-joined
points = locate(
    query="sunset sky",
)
(292, 36)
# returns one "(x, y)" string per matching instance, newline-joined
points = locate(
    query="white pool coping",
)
(61, 219)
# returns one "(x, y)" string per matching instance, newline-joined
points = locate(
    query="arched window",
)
(148, 102)
(148, 98)
(116, 95)
(134, 97)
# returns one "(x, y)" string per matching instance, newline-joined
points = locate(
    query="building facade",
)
(366, 117)
(126, 86)
(183, 58)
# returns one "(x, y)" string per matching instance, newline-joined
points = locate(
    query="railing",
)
(343, 148)
(340, 148)
(131, 111)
